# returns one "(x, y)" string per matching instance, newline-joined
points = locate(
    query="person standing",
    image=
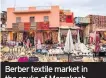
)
(28, 43)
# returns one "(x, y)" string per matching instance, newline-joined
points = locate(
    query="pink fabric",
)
(97, 46)
(40, 36)
(91, 40)
(23, 59)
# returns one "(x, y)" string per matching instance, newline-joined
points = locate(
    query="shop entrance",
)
(30, 36)
(15, 36)
(48, 37)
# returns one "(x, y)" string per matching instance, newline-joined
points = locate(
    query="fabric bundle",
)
(23, 59)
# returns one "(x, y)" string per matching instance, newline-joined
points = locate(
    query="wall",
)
(99, 21)
(39, 17)
(10, 17)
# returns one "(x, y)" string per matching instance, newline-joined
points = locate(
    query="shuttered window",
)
(18, 19)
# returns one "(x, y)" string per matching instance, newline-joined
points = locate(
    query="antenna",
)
(14, 3)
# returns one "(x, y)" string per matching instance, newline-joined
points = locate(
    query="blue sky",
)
(79, 7)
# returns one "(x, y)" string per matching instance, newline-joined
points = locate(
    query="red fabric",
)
(97, 46)
(42, 25)
(27, 26)
(97, 39)
(69, 18)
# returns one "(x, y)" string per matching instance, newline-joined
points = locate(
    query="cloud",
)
(79, 7)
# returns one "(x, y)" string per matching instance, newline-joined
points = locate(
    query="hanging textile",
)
(62, 17)
(74, 32)
(97, 46)
(21, 26)
(19, 36)
(15, 26)
(4, 36)
(27, 26)
(39, 36)
(33, 26)
(42, 25)
(48, 35)
(69, 18)
(55, 37)
(11, 36)
(45, 36)
(45, 25)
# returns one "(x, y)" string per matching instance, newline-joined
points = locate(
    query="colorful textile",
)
(4, 36)
(47, 36)
(19, 36)
(27, 26)
(21, 26)
(55, 37)
(43, 25)
(33, 59)
(15, 26)
(40, 36)
(33, 26)
(69, 19)
(23, 59)
(62, 17)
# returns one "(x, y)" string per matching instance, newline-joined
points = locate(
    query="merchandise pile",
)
(22, 54)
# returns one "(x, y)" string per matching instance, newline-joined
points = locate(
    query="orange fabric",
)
(11, 36)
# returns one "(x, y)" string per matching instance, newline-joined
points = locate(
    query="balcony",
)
(82, 21)
(23, 26)
(39, 9)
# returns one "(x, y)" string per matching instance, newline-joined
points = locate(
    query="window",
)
(18, 19)
(32, 19)
(46, 18)
(69, 17)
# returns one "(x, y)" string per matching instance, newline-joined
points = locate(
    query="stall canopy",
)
(69, 46)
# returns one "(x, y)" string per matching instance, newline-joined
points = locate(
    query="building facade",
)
(40, 22)
(98, 27)
(83, 23)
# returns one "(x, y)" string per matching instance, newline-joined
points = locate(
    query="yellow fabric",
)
(5, 49)
(105, 33)
(87, 59)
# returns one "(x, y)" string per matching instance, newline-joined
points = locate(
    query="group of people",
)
(27, 42)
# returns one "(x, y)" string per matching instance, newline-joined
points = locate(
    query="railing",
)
(43, 8)
(66, 10)
(37, 8)
(21, 9)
